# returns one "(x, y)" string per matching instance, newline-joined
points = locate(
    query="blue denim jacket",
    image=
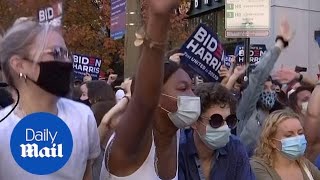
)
(250, 117)
(230, 162)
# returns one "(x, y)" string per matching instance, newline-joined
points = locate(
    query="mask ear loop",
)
(276, 146)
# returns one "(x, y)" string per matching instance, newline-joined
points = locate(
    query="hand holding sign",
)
(176, 57)
(224, 73)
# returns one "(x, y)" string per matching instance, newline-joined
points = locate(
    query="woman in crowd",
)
(298, 100)
(208, 150)
(280, 153)
(259, 97)
(84, 94)
(144, 143)
(101, 98)
(169, 116)
(35, 60)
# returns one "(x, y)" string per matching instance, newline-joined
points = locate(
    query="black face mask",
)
(55, 77)
(86, 102)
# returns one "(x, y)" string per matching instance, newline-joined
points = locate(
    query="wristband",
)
(285, 43)
(126, 97)
(142, 38)
(300, 78)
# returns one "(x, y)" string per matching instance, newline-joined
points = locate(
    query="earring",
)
(23, 75)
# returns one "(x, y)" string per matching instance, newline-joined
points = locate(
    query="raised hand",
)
(285, 75)
(285, 30)
(126, 86)
(240, 70)
(224, 72)
(112, 78)
(163, 7)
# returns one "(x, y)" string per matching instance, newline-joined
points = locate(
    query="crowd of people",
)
(158, 124)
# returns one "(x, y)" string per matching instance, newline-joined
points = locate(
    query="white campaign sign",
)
(247, 16)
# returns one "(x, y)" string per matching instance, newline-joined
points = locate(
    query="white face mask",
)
(189, 109)
(304, 108)
(216, 138)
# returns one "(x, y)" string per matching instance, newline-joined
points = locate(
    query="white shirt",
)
(86, 144)
(146, 171)
(119, 95)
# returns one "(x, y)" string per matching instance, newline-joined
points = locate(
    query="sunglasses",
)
(60, 54)
(216, 121)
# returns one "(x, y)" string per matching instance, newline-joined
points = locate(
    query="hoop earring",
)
(24, 76)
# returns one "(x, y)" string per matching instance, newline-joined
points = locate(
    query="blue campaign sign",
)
(227, 61)
(203, 53)
(83, 64)
(256, 52)
(118, 19)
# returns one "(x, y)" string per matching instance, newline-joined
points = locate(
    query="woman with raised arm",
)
(145, 140)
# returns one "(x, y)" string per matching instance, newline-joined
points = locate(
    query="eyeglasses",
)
(216, 121)
(60, 54)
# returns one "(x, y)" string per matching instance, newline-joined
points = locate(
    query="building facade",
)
(303, 16)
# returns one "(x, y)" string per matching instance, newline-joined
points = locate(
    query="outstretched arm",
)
(258, 76)
(133, 134)
(312, 125)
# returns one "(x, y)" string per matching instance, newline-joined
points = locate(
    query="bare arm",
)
(134, 131)
(108, 119)
(312, 125)
(238, 71)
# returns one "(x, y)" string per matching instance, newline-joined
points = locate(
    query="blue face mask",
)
(268, 99)
(294, 147)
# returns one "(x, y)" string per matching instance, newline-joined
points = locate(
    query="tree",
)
(85, 25)
(178, 32)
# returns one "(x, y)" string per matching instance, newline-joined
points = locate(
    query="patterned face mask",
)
(268, 99)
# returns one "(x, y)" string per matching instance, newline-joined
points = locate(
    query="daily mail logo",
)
(41, 143)
(33, 150)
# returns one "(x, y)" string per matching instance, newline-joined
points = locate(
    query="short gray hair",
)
(17, 41)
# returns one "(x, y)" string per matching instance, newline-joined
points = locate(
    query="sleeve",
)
(313, 169)
(244, 171)
(251, 94)
(93, 138)
(260, 171)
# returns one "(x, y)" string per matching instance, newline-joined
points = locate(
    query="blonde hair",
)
(18, 40)
(265, 150)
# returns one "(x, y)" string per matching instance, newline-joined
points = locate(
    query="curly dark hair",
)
(215, 94)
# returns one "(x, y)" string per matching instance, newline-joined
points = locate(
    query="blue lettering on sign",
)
(203, 53)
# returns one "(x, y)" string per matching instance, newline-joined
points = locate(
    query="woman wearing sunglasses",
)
(280, 153)
(208, 150)
(35, 61)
